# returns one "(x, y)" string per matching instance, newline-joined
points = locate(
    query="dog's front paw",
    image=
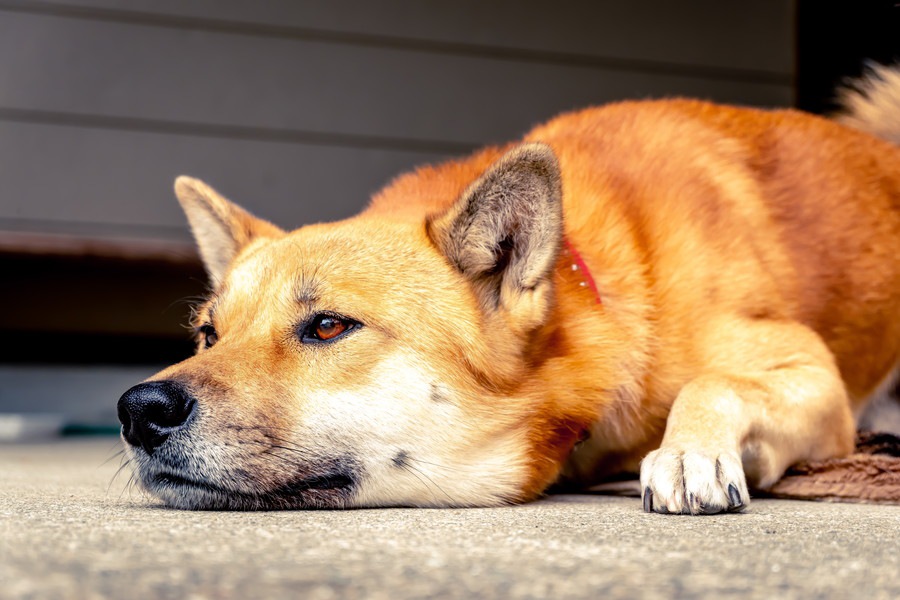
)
(675, 480)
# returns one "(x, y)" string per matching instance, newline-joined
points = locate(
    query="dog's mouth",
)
(174, 481)
(329, 490)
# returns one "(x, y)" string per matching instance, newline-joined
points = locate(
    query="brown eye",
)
(329, 328)
(326, 327)
(208, 335)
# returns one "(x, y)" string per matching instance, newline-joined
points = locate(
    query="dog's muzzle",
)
(151, 412)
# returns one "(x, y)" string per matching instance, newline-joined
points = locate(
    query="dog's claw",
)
(693, 482)
(734, 496)
(694, 505)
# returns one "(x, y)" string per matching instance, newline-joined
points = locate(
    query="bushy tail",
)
(872, 102)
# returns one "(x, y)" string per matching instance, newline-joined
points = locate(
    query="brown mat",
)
(870, 475)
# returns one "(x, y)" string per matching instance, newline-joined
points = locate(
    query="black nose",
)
(150, 412)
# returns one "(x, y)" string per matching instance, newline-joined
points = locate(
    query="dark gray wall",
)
(300, 109)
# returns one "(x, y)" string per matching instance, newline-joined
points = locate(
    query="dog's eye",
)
(208, 335)
(327, 327)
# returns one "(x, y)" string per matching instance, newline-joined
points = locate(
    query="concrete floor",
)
(66, 532)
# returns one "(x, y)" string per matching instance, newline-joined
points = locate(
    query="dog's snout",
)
(150, 412)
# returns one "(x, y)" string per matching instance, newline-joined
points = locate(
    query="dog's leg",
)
(770, 395)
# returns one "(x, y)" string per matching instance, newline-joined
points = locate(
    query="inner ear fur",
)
(220, 227)
(505, 231)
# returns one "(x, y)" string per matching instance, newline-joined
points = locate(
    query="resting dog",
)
(699, 293)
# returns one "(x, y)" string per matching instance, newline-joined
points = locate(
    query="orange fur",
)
(747, 266)
(685, 210)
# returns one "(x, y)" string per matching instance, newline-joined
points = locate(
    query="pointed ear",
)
(220, 227)
(504, 234)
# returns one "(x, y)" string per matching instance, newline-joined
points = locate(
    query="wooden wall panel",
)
(301, 109)
(82, 67)
(754, 37)
(119, 183)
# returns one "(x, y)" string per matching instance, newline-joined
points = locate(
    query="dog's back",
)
(768, 214)
(772, 214)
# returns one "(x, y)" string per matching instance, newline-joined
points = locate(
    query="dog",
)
(701, 294)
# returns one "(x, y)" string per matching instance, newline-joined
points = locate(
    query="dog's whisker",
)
(433, 464)
(113, 457)
(285, 444)
(126, 463)
(414, 470)
(277, 443)
(193, 301)
(293, 465)
(128, 484)
(263, 428)
(421, 480)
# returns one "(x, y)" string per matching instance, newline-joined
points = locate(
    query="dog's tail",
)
(872, 102)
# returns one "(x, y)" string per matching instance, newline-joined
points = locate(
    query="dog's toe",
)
(691, 482)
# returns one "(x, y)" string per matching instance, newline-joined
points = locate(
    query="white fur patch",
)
(414, 451)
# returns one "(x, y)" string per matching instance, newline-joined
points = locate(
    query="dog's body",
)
(717, 287)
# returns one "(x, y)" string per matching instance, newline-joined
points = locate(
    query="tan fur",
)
(746, 262)
(870, 103)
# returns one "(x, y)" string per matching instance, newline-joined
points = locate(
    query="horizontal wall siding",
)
(302, 109)
(167, 74)
(114, 182)
(751, 37)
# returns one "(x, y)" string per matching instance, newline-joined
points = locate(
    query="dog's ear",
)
(220, 227)
(505, 231)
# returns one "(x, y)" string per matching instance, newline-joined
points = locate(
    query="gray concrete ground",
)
(65, 532)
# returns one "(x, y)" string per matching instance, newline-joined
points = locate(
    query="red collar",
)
(578, 264)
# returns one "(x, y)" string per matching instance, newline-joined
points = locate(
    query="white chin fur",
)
(414, 450)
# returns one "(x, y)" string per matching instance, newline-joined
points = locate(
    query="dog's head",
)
(369, 362)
